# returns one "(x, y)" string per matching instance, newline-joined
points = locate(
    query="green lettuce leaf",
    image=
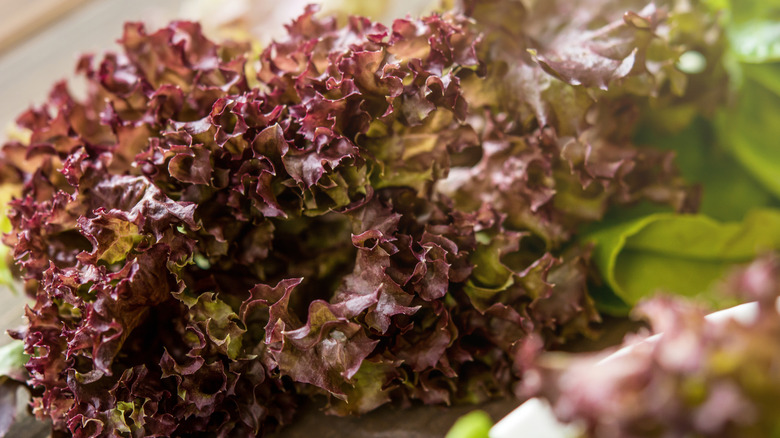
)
(12, 360)
(475, 424)
(681, 254)
(756, 41)
(728, 192)
(753, 28)
(749, 130)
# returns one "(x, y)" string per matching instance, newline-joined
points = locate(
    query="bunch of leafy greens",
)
(365, 214)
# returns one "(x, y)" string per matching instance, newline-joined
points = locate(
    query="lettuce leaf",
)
(475, 424)
(753, 28)
(680, 254)
(728, 191)
(748, 129)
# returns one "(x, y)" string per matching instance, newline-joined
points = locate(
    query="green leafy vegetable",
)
(728, 191)
(750, 130)
(12, 360)
(475, 424)
(753, 28)
(681, 254)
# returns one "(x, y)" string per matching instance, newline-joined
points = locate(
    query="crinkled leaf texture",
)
(377, 214)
